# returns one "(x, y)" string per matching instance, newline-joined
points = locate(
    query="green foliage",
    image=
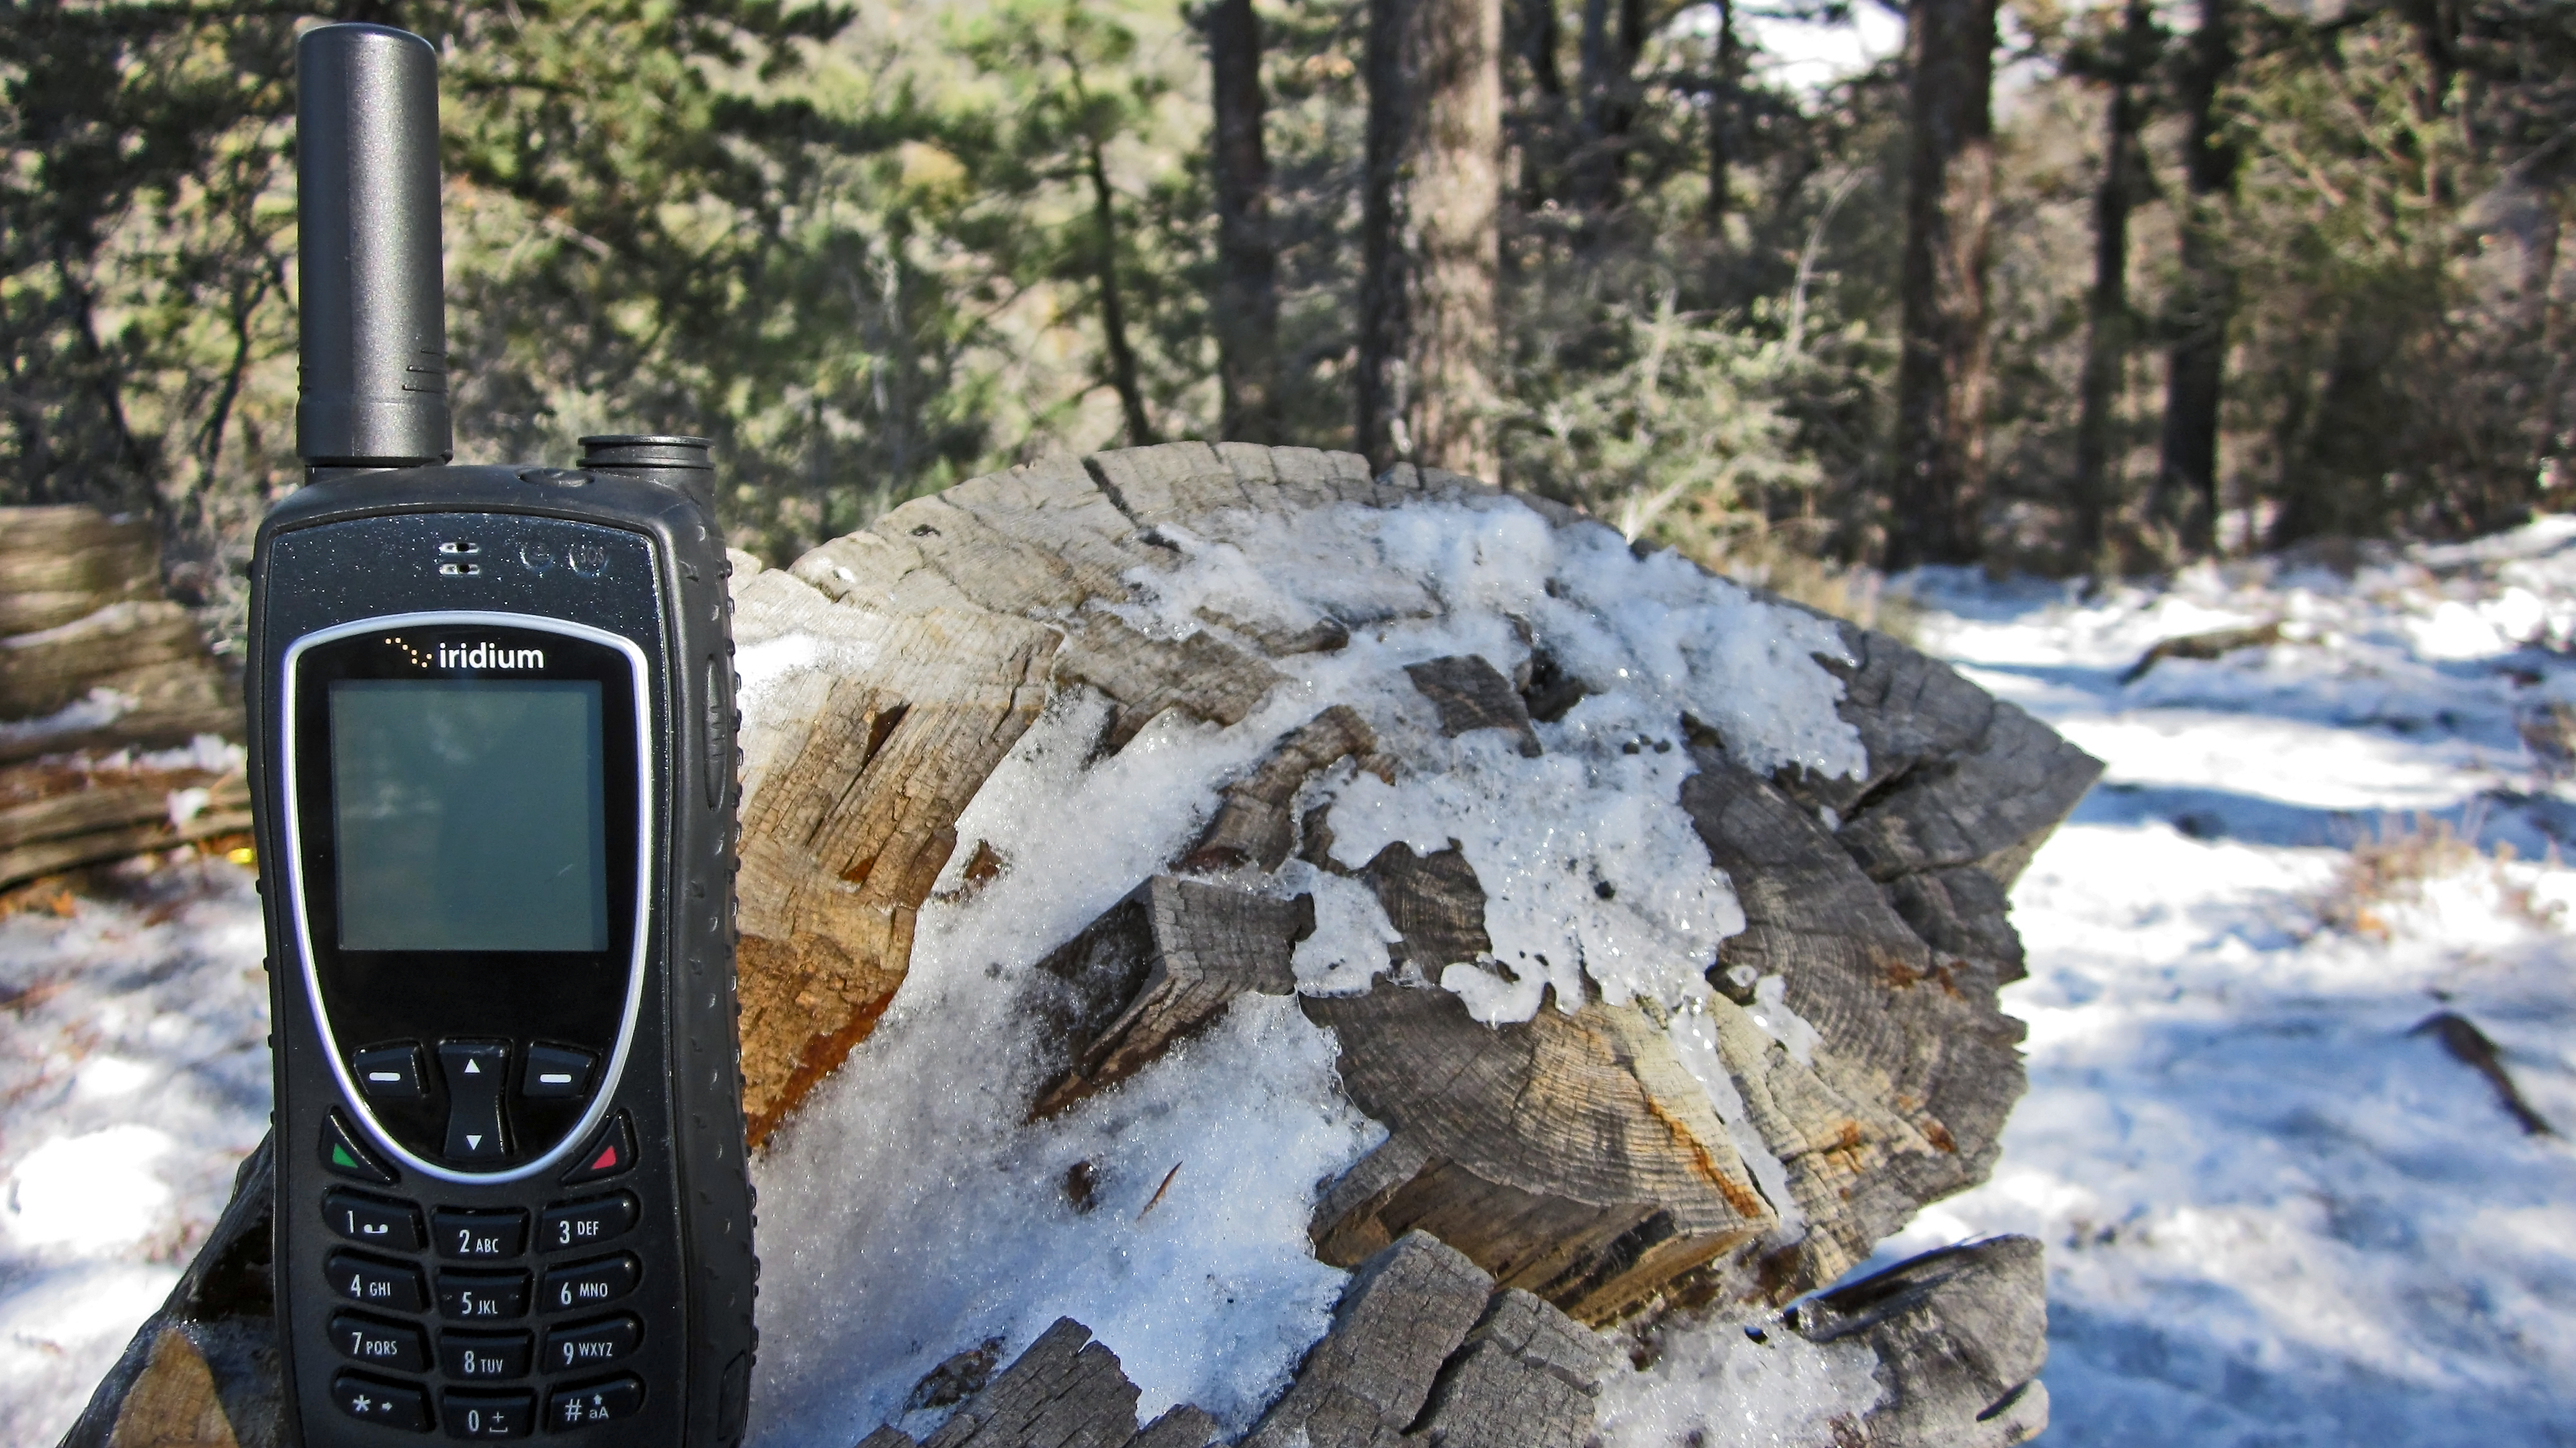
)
(872, 250)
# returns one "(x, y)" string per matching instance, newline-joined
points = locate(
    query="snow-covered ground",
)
(2274, 1214)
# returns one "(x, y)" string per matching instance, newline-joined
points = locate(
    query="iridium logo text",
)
(489, 656)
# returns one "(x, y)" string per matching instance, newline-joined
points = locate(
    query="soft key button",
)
(581, 1224)
(393, 1226)
(390, 1072)
(476, 1072)
(473, 1235)
(557, 1073)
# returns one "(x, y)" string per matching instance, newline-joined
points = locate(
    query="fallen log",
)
(1691, 1060)
(92, 656)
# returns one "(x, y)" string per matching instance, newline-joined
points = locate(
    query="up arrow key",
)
(476, 1072)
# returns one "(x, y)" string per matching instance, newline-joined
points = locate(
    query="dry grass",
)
(2391, 869)
(1774, 558)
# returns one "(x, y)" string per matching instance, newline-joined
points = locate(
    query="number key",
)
(380, 1344)
(483, 1235)
(483, 1355)
(580, 1224)
(487, 1415)
(588, 1284)
(482, 1296)
(390, 1226)
(390, 1285)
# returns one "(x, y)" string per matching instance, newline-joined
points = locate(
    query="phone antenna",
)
(373, 391)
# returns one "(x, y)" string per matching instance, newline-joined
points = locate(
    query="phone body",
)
(493, 753)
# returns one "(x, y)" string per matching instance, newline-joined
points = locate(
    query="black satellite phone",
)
(493, 763)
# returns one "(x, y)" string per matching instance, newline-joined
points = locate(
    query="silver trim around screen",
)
(645, 803)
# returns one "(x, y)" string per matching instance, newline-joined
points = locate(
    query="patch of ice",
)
(1770, 1011)
(1714, 1386)
(1347, 951)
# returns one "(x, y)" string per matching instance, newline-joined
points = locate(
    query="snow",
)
(1596, 881)
(1715, 1385)
(134, 1076)
(2275, 1214)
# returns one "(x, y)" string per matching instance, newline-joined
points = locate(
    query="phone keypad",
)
(484, 1289)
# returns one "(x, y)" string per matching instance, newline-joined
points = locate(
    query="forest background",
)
(2067, 287)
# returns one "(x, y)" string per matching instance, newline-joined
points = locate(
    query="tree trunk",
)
(2186, 491)
(2111, 326)
(1941, 379)
(1429, 336)
(1533, 31)
(1113, 308)
(1247, 298)
(1722, 97)
(1613, 36)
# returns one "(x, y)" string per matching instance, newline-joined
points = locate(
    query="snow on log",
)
(1285, 955)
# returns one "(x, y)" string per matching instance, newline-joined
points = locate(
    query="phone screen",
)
(470, 814)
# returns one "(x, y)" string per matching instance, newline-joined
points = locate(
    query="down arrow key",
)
(476, 1071)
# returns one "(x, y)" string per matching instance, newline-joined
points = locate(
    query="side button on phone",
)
(394, 1286)
(597, 1403)
(343, 1156)
(487, 1415)
(476, 1072)
(391, 1405)
(610, 1152)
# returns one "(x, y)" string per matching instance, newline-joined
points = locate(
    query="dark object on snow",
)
(2217, 643)
(2470, 1046)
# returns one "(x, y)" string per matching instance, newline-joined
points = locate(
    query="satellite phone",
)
(492, 724)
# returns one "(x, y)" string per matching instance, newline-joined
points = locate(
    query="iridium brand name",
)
(489, 656)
